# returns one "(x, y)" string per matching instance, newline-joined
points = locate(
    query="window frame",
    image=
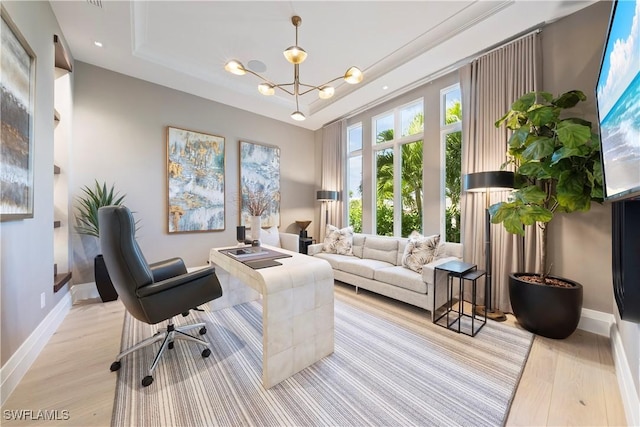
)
(445, 130)
(349, 155)
(396, 145)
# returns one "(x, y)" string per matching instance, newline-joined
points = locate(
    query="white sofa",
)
(376, 265)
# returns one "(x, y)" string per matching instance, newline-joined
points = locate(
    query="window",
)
(398, 169)
(354, 176)
(451, 131)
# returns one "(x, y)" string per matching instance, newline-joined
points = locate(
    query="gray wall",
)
(119, 130)
(26, 257)
(580, 243)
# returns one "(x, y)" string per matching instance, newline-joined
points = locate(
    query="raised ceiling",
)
(185, 44)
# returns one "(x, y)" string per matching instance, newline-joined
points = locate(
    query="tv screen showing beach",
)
(618, 98)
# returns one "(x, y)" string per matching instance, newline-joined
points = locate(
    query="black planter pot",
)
(550, 311)
(103, 281)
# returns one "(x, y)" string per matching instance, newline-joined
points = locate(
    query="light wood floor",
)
(567, 382)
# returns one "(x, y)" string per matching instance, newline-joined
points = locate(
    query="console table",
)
(297, 308)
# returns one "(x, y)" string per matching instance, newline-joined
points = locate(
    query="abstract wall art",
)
(259, 183)
(195, 173)
(16, 118)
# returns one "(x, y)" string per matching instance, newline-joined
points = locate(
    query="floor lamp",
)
(326, 196)
(487, 182)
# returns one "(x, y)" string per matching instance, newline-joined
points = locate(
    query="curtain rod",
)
(441, 72)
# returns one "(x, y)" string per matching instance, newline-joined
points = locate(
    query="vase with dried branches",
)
(257, 202)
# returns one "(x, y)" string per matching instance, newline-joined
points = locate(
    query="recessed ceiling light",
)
(99, 44)
(385, 87)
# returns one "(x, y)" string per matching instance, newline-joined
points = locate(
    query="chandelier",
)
(295, 55)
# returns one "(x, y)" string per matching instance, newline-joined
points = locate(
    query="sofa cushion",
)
(361, 267)
(338, 241)
(333, 259)
(270, 236)
(401, 277)
(358, 244)
(421, 250)
(381, 249)
(427, 270)
(402, 244)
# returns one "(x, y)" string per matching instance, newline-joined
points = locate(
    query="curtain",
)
(332, 178)
(490, 84)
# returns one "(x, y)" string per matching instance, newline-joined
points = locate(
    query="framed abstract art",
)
(259, 183)
(17, 118)
(195, 175)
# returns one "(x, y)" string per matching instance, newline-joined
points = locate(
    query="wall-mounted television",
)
(618, 102)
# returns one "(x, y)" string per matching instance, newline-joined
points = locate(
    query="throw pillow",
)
(420, 250)
(338, 241)
(270, 236)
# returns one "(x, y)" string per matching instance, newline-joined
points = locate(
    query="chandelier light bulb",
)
(353, 76)
(235, 67)
(297, 115)
(295, 54)
(326, 92)
(266, 89)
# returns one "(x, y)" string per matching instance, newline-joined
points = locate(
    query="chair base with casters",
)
(167, 335)
(153, 293)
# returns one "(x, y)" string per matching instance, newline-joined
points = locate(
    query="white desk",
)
(297, 308)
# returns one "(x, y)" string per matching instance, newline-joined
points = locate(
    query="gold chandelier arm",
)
(259, 76)
(279, 86)
(311, 88)
(285, 90)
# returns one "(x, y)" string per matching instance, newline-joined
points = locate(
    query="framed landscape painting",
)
(16, 134)
(259, 183)
(195, 174)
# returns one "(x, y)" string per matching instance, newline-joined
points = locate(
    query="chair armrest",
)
(316, 248)
(167, 269)
(290, 241)
(172, 282)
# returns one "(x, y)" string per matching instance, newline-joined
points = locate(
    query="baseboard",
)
(18, 365)
(596, 322)
(84, 291)
(627, 388)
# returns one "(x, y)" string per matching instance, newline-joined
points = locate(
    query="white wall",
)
(26, 255)
(119, 129)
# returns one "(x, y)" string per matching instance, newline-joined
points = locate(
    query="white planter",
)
(255, 222)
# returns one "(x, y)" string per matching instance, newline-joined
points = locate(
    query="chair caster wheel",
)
(170, 345)
(206, 352)
(115, 366)
(146, 381)
(202, 331)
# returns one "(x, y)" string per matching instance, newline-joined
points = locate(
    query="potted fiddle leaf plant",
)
(92, 199)
(557, 165)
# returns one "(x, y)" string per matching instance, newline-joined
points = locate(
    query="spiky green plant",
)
(92, 200)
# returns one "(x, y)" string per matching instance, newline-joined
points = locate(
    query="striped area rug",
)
(390, 367)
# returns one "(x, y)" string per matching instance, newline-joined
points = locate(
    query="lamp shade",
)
(353, 76)
(326, 195)
(489, 181)
(295, 54)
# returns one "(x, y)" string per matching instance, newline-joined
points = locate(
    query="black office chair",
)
(152, 293)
